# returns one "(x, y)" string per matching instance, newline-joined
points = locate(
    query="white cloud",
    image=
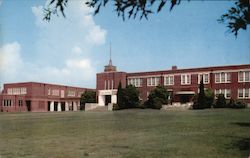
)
(76, 50)
(10, 60)
(62, 51)
(14, 69)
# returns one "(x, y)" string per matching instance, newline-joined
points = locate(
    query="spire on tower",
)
(110, 67)
(110, 57)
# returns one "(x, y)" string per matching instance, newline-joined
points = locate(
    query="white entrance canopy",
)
(103, 93)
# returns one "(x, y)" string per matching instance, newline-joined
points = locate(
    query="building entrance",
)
(107, 99)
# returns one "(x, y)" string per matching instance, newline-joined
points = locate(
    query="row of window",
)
(56, 92)
(8, 102)
(223, 77)
(108, 84)
(17, 91)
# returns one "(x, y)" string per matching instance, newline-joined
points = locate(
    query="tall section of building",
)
(107, 83)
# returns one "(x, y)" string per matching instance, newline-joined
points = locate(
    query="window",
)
(169, 80)
(105, 84)
(55, 92)
(240, 93)
(226, 92)
(153, 81)
(243, 93)
(9, 91)
(23, 90)
(223, 77)
(20, 103)
(62, 93)
(205, 78)
(185, 79)
(7, 102)
(71, 93)
(112, 84)
(244, 76)
(137, 82)
(49, 91)
(217, 78)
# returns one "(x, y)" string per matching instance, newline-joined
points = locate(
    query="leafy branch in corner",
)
(237, 17)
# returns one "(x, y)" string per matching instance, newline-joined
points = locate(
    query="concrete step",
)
(100, 108)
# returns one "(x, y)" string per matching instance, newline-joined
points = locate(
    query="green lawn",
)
(127, 133)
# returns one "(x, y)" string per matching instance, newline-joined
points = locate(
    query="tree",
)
(201, 100)
(209, 98)
(131, 97)
(220, 102)
(157, 98)
(238, 17)
(120, 96)
(87, 97)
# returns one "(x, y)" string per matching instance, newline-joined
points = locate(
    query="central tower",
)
(107, 83)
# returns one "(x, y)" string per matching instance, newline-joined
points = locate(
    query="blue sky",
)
(71, 51)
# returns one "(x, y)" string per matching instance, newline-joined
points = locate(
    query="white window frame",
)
(225, 92)
(244, 76)
(244, 90)
(227, 74)
(204, 78)
(167, 80)
(153, 81)
(185, 81)
(137, 82)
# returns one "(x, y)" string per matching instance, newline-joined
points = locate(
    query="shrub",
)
(87, 97)
(116, 107)
(157, 103)
(220, 102)
(157, 98)
(240, 105)
(209, 98)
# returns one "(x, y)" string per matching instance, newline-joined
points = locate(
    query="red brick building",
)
(40, 97)
(233, 81)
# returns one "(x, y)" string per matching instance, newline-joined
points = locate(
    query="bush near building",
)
(236, 104)
(127, 97)
(157, 98)
(220, 102)
(87, 97)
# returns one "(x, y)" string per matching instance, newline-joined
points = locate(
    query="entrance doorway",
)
(28, 105)
(48, 105)
(107, 99)
(55, 106)
(63, 106)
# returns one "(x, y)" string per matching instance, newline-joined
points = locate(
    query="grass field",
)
(128, 133)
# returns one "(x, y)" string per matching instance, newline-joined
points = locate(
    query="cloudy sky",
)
(72, 50)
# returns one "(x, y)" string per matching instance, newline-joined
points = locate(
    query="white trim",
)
(224, 92)
(151, 82)
(220, 77)
(244, 90)
(244, 76)
(186, 81)
(165, 78)
(203, 74)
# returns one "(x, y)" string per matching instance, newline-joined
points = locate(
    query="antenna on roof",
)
(110, 60)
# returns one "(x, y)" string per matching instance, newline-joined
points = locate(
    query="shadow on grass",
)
(242, 124)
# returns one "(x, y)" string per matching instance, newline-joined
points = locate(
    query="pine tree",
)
(120, 96)
(201, 101)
